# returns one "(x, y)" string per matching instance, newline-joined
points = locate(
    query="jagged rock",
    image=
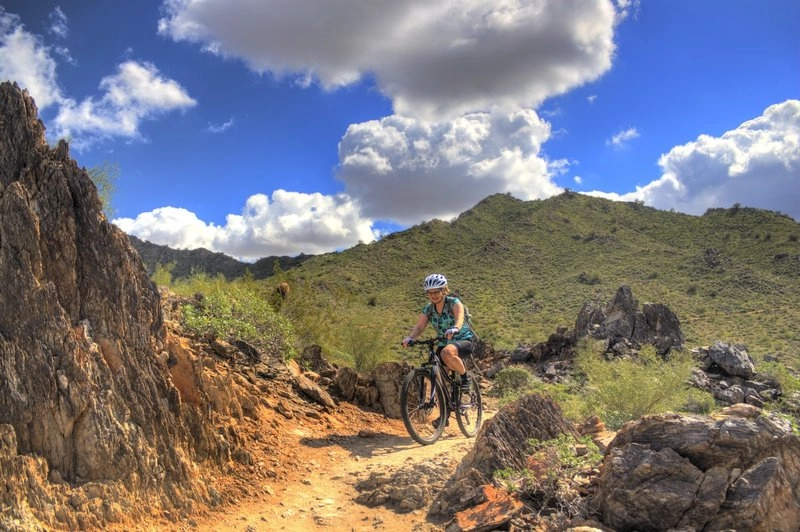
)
(731, 396)
(501, 443)
(312, 359)
(733, 359)
(313, 391)
(80, 326)
(520, 354)
(560, 344)
(380, 390)
(689, 472)
(621, 319)
(483, 351)
(727, 372)
(347, 382)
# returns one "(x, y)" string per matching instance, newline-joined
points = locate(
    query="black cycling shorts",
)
(464, 347)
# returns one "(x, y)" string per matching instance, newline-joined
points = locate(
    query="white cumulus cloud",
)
(434, 60)
(24, 58)
(409, 170)
(757, 165)
(135, 93)
(289, 223)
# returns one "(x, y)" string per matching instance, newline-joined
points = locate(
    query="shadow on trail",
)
(365, 444)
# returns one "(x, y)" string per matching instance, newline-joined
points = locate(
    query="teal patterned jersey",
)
(446, 320)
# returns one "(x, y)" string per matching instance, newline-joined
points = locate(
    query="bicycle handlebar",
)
(429, 341)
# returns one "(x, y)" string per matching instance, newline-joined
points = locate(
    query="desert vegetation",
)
(524, 268)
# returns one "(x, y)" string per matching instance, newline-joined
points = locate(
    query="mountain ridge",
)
(526, 267)
(184, 262)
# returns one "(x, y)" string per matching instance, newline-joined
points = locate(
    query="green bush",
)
(781, 376)
(624, 389)
(363, 345)
(310, 315)
(513, 382)
(163, 274)
(235, 310)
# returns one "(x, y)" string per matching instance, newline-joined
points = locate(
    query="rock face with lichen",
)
(84, 382)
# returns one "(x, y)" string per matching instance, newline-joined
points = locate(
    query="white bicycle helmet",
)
(434, 281)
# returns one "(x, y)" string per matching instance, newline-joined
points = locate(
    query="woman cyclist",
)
(446, 314)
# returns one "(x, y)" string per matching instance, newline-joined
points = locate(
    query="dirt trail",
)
(320, 495)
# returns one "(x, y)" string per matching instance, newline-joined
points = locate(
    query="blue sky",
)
(282, 127)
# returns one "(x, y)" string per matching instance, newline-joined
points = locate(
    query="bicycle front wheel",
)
(469, 411)
(422, 406)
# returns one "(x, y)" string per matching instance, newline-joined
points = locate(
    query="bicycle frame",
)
(442, 376)
(433, 388)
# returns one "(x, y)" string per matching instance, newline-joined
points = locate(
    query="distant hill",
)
(525, 267)
(188, 262)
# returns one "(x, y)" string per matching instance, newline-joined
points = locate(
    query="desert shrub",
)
(624, 389)
(568, 398)
(162, 276)
(550, 461)
(781, 376)
(235, 310)
(513, 382)
(589, 278)
(310, 315)
(363, 345)
(698, 402)
(105, 177)
(789, 384)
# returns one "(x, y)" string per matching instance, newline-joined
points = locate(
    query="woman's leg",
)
(452, 360)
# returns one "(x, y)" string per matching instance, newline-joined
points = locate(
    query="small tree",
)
(105, 177)
(162, 276)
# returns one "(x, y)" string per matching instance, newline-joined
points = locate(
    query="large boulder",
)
(672, 471)
(388, 378)
(732, 359)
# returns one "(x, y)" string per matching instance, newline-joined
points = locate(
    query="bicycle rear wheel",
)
(422, 407)
(469, 411)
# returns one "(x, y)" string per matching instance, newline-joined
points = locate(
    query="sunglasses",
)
(434, 292)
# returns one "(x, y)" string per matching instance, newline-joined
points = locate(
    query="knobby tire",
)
(417, 409)
(469, 411)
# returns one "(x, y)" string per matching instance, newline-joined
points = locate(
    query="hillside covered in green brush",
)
(526, 267)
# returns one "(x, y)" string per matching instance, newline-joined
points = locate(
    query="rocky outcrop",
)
(379, 390)
(626, 327)
(409, 488)
(84, 362)
(620, 323)
(737, 472)
(729, 374)
(502, 443)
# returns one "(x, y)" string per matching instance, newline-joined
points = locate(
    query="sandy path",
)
(322, 497)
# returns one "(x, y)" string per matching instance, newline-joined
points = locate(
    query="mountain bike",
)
(432, 392)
